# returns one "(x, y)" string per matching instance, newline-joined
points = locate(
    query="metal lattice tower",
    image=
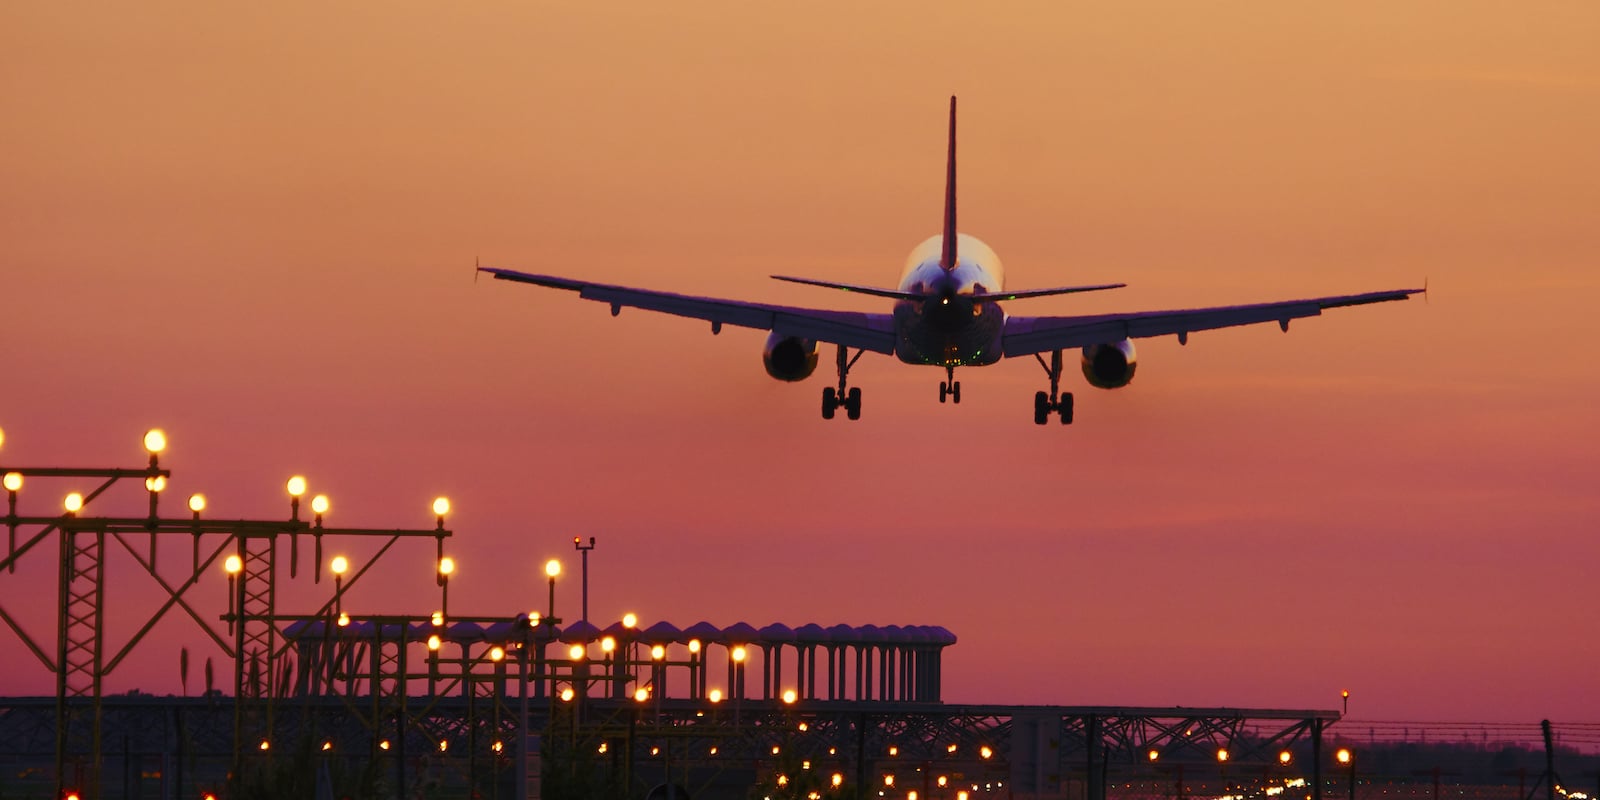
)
(79, 639)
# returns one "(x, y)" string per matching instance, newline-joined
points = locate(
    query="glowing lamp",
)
(434, 642)
(296, 486)
(447, 565)
(73, 504)
(789, 696)
(739, 653)
(340, 565)
(13, 481)
(155, 440)
(552, 568)
(1222, 754)
(608, 644)
(715, 695)
(694, 645)
(658, 652)
(197, 503)
(232, 565)
(1343, 755)
(441, 506)
(641, 694)
(497, 653)
(1284, 757)
(155, 483)
(567, 694)
(575, 652)
(319, 504)
(344, 619)
(630, 620)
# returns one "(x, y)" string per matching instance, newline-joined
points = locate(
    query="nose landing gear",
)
(850, 398)
(1054, 400)
(950, 387)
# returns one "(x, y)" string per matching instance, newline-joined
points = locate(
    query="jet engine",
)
(1109, 366)
(788, 358)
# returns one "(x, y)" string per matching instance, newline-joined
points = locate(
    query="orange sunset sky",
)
(254, 225)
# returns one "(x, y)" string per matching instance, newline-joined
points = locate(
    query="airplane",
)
(947, 314)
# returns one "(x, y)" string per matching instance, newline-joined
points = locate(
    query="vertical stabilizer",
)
(948, 258)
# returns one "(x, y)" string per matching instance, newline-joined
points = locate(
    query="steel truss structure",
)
(519, 705)
(82, 655)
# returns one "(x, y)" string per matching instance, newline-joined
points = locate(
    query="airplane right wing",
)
(873, 332)
(1029, 335)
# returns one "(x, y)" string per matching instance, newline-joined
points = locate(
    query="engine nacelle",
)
(788, 358)
(1109, 366)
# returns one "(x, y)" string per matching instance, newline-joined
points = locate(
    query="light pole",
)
(447, 566)
(552, 568)
(577, 544)
(1348, 759)
(339, 566)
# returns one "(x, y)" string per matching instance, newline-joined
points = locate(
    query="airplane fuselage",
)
(950, 328)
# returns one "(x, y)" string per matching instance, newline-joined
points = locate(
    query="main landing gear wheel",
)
(1054, 400)
(950, 387)
(849, 397)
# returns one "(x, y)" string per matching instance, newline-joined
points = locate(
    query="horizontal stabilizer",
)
(1047, 292)
(990, 296)
(851, 287)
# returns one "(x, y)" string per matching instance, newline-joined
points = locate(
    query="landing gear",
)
(1054, 400)
(950, 387)
(850, 398)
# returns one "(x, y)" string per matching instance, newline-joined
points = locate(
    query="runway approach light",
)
(155, 483)
(552, 568)
(232, 565)
(319, 504)
(340, 565)
(296, 486)
(155, 440)
(197, 503)
(447, 565)
(441, 506)
(13, 481)
(630, 620)
(73, 504)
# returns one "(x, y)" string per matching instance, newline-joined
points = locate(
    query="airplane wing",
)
(873, 332)
(1029, 335)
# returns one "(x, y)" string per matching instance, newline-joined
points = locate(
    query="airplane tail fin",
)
(947, 259)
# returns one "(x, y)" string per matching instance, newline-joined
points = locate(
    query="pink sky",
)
(255, 228)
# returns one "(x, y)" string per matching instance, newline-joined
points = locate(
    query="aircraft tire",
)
(1065, 406)
(852, 406)
(1041, 408)
(944, 391)
(829, 403)
(955, 392)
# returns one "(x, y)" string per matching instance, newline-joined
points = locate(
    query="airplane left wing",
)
(1029, 335)
(873, 332)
